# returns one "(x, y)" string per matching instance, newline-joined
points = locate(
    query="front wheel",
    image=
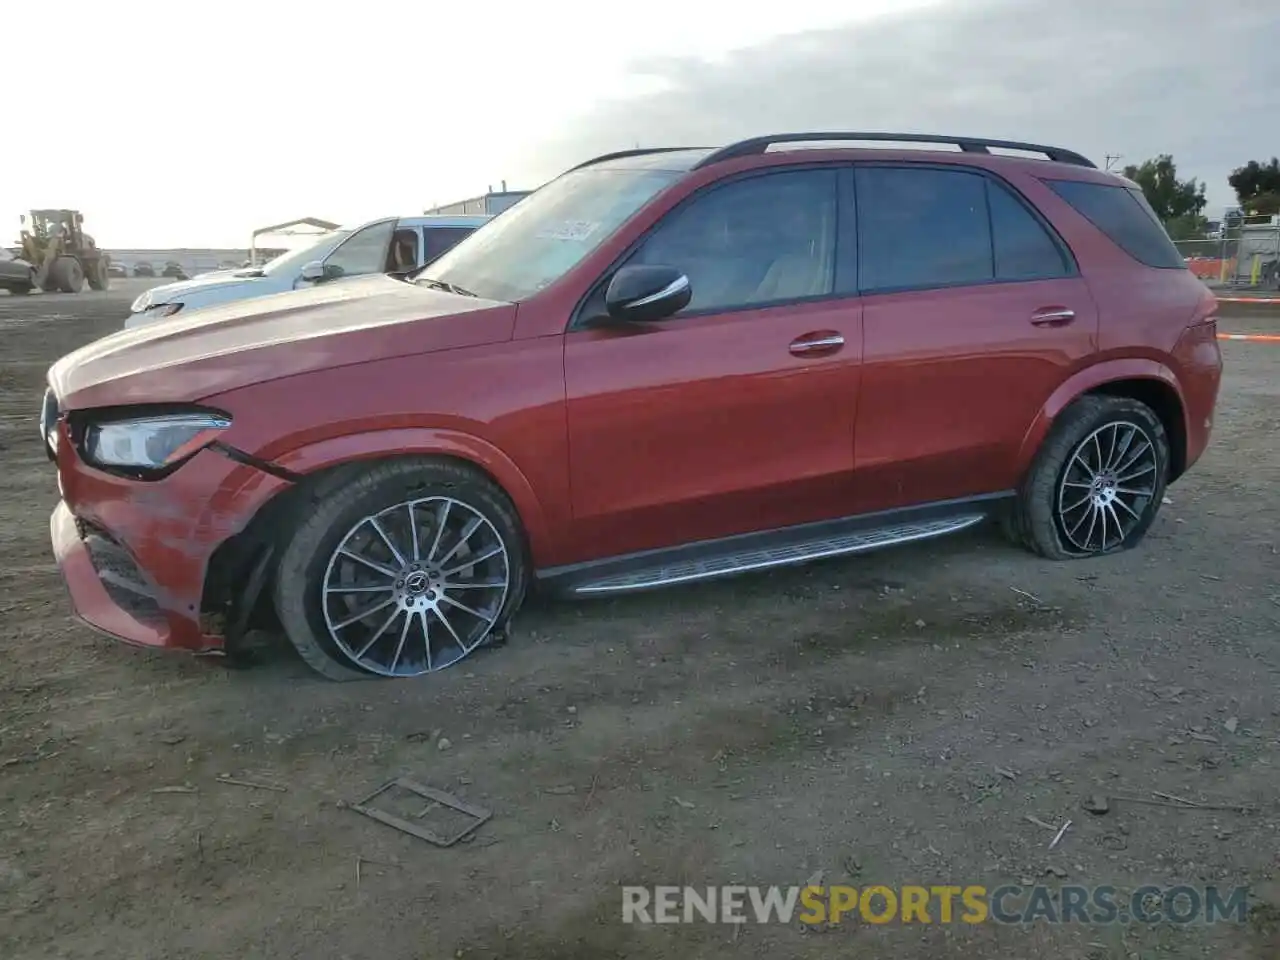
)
(1097, 483)
(67, 275)
(401, 570)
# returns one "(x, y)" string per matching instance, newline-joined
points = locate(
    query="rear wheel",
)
(97, 275)
(1097, 483)
(402, 570)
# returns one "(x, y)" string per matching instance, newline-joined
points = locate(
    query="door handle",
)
(811, 344)
(1053, 317)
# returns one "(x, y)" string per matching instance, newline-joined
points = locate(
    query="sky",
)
(210, 120)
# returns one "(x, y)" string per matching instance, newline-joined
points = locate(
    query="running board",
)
(732, 562)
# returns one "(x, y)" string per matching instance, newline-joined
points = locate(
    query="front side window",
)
(764, 239)
(364, 252)
(922, 228)
(548, 233)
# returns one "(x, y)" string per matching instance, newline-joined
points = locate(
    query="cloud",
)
(1136, 77)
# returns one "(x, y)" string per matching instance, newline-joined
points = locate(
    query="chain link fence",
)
(1246, 255)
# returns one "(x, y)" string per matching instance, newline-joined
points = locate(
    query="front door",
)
(974, 313)
(737, 414)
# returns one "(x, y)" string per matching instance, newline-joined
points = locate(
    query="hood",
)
(168, 292)
(252, 341)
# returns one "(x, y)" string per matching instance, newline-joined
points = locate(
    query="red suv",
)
(663, 366)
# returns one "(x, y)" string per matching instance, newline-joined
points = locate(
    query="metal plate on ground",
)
(438, 799)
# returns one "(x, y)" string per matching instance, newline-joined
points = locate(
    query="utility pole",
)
(1112, 158)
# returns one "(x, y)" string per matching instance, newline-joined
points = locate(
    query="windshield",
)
(45, 224)
(546, 234)
(294, 260)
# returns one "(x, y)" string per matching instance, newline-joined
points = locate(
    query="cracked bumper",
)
(134, 555)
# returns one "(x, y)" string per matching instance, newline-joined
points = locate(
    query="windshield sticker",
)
(569, 230)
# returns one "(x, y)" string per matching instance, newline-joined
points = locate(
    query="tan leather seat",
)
(403, 254)
(790, 277)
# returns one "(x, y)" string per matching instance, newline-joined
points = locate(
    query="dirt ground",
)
(889, 719)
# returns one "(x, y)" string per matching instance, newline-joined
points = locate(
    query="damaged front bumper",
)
(135, 555)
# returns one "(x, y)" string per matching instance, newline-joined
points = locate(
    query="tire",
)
(1058, 515)
(316, 584)
(67, 275)
(20, 289)
(97, 275)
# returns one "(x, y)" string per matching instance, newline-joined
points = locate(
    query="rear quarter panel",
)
(1152, 321)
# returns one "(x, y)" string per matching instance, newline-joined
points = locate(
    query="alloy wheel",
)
(416, 587)
(1108, 487)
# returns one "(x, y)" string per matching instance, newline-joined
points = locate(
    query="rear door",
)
(974, 311)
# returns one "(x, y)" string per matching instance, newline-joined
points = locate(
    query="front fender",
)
(427, 441)
(1081, 382)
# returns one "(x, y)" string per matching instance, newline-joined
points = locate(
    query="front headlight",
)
(142, 303)
(150, 443)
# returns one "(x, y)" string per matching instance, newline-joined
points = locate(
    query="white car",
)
(389, 245)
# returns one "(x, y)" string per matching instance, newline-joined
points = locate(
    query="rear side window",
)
(440, 240)
(926, 227)
(922, 228)
(1024, 249)
(1124, 215)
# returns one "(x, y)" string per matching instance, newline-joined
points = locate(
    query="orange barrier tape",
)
(1249, 299)
(1261, 337)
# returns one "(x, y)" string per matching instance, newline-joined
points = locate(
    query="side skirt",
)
(729, 556)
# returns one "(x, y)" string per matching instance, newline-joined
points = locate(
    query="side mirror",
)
(316, 271)
(647, 293)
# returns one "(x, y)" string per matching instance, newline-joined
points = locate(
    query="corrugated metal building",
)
(488, 204)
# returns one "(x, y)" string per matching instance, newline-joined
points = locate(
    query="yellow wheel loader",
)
(64, 255)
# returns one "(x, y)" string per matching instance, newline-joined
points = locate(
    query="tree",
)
(1170, 198)
(1257, 186)
(1190, 226)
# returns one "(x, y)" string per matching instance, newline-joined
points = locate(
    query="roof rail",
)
(758, 145)
(622, 154)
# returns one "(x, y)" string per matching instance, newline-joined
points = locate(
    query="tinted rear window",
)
(1024, 250)
(440, 240)
(1124, 215)
(922, 228)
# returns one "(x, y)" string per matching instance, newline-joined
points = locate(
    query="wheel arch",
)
(318, 459)
(1144, 380)
(317, 468)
